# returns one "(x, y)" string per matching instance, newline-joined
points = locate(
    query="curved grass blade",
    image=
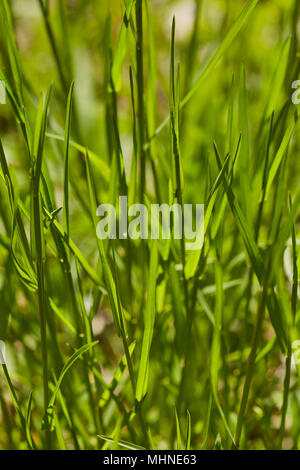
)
(149, 319)
(99, 163)
(61, 316)
(12, 50)
(48, 419)
(194, 256)
(66, 224)
(75, 250)
(121, 443)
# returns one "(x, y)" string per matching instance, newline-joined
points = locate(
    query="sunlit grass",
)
(143, 344)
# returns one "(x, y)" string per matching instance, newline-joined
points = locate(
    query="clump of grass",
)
(142, 344)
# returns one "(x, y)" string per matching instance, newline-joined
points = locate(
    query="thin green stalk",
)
(252, 356)
(15, 400)
(141, 123)
(45, 13)
(286, 389)
(43, 332)
(288, 361)
(138, 407)
(59, 65)
(38, 242)
(140, 92)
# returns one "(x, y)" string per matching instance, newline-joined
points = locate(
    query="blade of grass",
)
(188, 431)
(28, 420)
(178, 433)
(212, 61)
(122, 443)
(279, 155)
(120, 52)
(149, 319)
(216, 346)
(288, 361)
(38, 238)
(140, 94)
(48, 418)
(66, 224)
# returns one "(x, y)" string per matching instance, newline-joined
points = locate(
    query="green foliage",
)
(142, 344)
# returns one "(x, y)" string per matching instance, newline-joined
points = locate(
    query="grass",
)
(141, 344)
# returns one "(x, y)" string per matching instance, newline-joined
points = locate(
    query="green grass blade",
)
(216, 56)
(149, 320)
(48, 419)
(122, 443)
(188, 431)
(216, 346)
(178, 433)
(120, 52)
(66, 224)
(28, 420)
(279, 155)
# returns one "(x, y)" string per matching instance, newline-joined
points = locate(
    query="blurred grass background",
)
(81, 32)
